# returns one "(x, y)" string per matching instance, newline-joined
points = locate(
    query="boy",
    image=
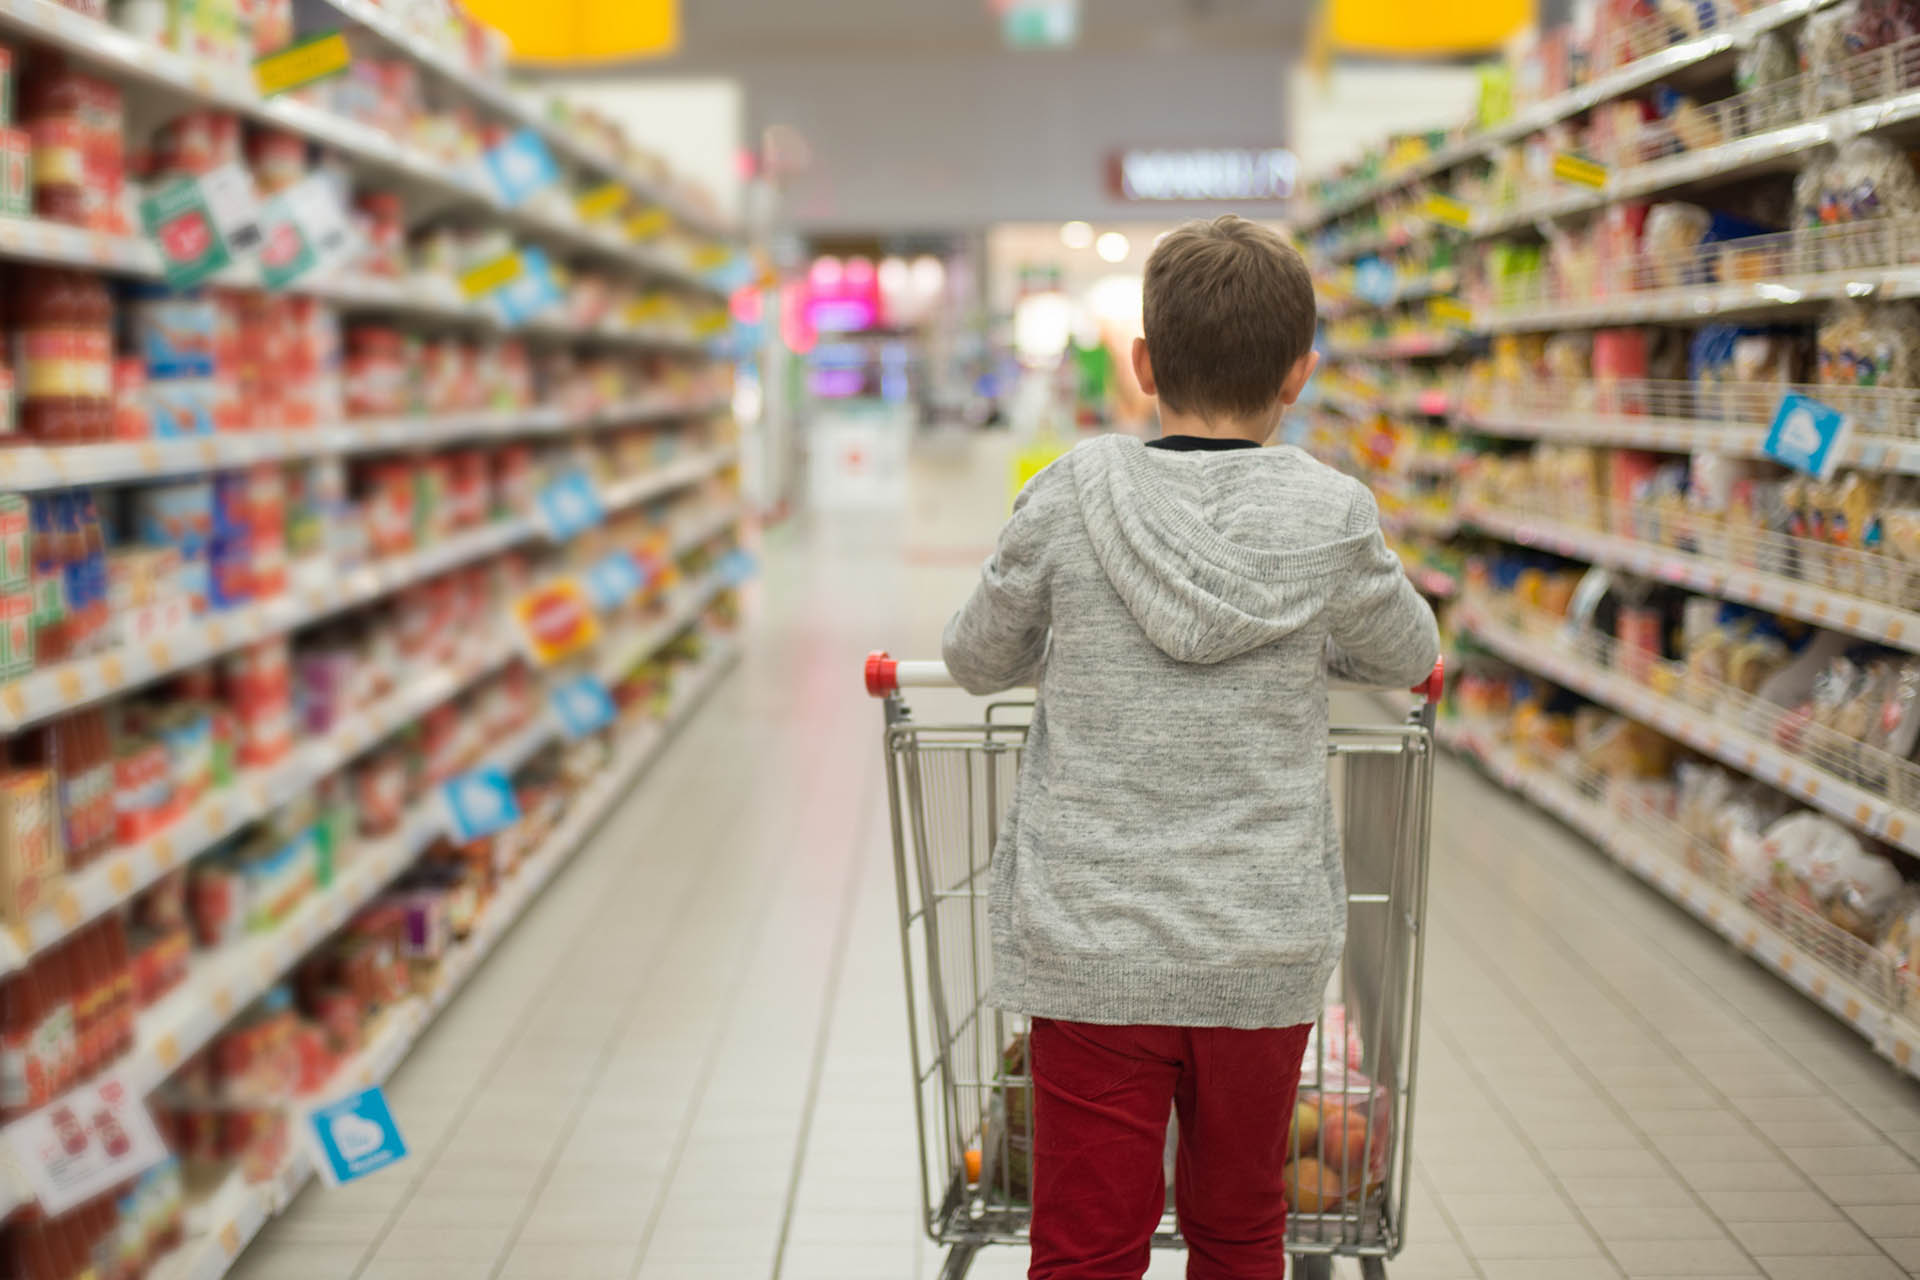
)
(1168, 898)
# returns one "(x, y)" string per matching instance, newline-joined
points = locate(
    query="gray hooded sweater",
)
(1171, 858)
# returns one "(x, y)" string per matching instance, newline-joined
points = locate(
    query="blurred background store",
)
(459, 453)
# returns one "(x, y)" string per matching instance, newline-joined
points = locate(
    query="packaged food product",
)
(31, 858)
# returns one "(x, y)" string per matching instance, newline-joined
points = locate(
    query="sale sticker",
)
(556, 621)
(1577, 169)
(81, 1144)
(354, 1137)
(600, 202)
(479, 803)
(202, 224)
(1807, 435)
(300, 64)
(583, 706)
(521, 167)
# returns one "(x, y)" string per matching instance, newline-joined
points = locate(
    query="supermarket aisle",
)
(688, 1061)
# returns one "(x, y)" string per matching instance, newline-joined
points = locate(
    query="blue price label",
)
(1807, 435)
(614, 579)
(736, 567)
(530, 290)
(479, 803)
(521, 167)
(354, 1137)
(583, 706)
(571, 506)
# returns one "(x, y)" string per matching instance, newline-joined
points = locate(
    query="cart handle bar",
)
(887, 676)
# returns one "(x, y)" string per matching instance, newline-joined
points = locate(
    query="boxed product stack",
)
(1657, 442)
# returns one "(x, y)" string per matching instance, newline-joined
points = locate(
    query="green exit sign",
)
(1040, 24)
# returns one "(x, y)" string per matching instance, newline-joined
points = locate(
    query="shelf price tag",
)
(1450, 313)
(304, 231)
(302, 64)
(556, 621)
(1807, 435)
(354, 1136)
(647, 223)
(614, 579)
(1577, 169)
(490, 276)
(84, 1142)
(521, 167)
(570, 506)
(601, 202)
(202, 224)
(583, 706)
(1447, 211)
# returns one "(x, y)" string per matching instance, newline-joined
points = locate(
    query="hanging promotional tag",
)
(571, 505)
(1807, 435)
(614, 579)
(304, 232)
(354, 1137)
(479, 803)
(84, 1143)
(202, 224)
(556, 621)
(583, 706)
(600, 202)
(521, 167)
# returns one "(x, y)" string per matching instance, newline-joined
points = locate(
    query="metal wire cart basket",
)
(949, 787)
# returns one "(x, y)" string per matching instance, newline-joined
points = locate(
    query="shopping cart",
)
(949, 786)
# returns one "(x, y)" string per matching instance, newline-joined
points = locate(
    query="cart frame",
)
(948, 789)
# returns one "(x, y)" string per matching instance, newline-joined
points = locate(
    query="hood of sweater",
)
(1190, 545)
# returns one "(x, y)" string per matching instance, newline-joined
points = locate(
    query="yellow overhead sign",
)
(1422, 29)
(583, 30)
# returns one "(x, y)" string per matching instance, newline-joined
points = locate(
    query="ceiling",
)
(715, 29)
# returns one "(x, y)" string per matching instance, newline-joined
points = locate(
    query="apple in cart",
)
(1311, 1187)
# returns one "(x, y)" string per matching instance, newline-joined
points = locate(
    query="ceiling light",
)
(1076, 235)
(1112, 247)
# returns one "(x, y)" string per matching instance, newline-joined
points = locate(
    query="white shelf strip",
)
(1791, 597)
(237, 1212)
(432, 297)
(1625, 79)
(75, 683)
(232, 88)
(1747, 752)
(1410, 346)
(1658, 856)
(34, 467)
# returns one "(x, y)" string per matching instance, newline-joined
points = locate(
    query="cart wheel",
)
(1312, 1266)
(1373, 1269)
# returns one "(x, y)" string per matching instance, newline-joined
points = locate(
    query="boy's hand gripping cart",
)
(949, 787)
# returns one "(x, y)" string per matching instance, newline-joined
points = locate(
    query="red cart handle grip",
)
(883, 674)
(1434, 685)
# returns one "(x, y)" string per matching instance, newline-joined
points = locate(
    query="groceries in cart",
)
(1342, 1121)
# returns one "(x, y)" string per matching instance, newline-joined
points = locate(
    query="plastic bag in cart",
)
(1342, 1123)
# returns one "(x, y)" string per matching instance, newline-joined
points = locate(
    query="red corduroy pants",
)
(1101, 1099)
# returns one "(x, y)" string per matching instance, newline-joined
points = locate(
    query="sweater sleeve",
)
(998, 639)
(1382, 632)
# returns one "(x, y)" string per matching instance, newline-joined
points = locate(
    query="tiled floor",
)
(688, 1062)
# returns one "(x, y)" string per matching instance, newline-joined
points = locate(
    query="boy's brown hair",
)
(1228, 308)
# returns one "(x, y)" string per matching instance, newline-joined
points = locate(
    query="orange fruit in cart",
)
(1306, 1127)
(973, 1164)
(1311, 1187)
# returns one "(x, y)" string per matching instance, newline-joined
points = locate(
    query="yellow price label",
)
(230, 1239)
(647, 224)
(302, 63)
(1569, 167)
(714, 322)
(166, 1051)
(1449, 311)
(120, 876)
(1448, 212)
(601, 201)
(642, 311)
(707, 257)
(489, 276)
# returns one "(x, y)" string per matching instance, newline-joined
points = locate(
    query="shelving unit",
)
(1415, 379)
(635, 354)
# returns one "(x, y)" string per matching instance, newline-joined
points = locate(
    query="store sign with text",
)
(1187, 174)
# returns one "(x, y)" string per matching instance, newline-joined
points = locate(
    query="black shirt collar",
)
(1200, 444)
